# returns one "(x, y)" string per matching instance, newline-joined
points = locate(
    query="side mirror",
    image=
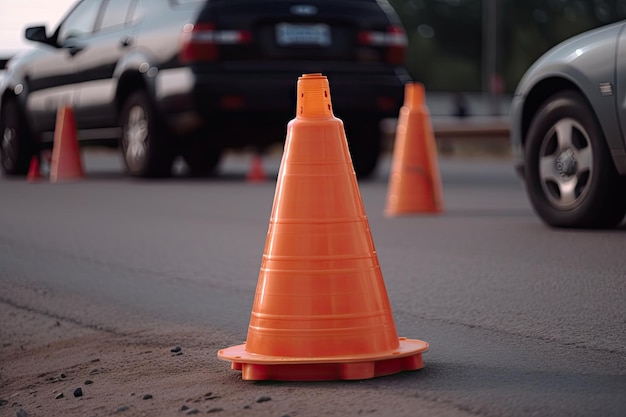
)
(37, 34)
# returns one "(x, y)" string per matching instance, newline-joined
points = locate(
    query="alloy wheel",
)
(566, 164)
(8, 145)
(136, 138)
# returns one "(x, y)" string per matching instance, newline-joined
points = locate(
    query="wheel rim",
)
(566, 164)
(8, 147)
(136, 138)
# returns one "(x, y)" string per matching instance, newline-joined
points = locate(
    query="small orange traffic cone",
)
(414, 181)
(321, 310)
(34, 172)
(256, 173)
(66, 163)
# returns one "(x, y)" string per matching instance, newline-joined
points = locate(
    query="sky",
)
(16, 15)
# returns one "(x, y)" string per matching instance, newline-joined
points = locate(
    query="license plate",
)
(302, 34)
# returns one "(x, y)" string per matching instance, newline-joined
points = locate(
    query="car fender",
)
(12, 86)
(586, 63)
(135, 70)
(13, 82)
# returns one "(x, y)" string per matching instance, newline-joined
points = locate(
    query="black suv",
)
(162, 78)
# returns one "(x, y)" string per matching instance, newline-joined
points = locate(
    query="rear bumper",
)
(349, 92)
(213, 99)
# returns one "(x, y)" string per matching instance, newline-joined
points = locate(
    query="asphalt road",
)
(522, 320)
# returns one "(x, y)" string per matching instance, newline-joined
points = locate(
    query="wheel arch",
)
(129, 82)
(606, 121)
(134, 72)
(10, 94)
(20, 96)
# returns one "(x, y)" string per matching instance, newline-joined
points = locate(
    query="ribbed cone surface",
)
(66, 163)
(414, 182)
(320, 290)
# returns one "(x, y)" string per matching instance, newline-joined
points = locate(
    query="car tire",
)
(201, 156)
(570, 177)
(146, 147)
(365, 143)
(16, 145)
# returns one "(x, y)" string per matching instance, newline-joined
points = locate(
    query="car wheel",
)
(145, 145)
(16, 146)
(570, 177)
(364, 140)
(201, 156)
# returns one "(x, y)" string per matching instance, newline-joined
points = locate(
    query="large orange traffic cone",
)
(414, 181)
(66, 163)
(321, 310)
(256, 173)
(34, 171)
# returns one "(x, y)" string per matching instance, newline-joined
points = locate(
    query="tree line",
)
(467, 45)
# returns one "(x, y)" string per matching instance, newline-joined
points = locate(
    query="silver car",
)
(568, 130)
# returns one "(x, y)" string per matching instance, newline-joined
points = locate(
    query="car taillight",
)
(394, 40)
(201, 42)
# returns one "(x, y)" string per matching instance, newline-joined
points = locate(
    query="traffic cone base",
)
(321, 310)
(254, 367)
(414, 181)
(66, 163)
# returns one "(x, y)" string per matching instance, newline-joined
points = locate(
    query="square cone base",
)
(255, 367)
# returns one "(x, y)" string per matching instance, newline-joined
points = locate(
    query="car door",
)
(51, 76)
(112, 38)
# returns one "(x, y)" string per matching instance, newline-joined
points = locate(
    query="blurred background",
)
(470, 54)
(477, 50)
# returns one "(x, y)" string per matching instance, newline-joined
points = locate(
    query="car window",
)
(117, 13)
(80, 21)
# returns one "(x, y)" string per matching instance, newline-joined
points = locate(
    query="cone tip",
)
(314, 75)
(415, 95)
(314, 96)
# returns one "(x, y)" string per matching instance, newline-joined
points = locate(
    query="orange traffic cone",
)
(66, 163)
(256, 173)
(321, 310)
(34, 172)
(414, 181)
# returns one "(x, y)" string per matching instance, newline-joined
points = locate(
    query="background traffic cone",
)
(414, 181)
(34, 170)
(256, 173)
(321, 310)
(66, 163)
